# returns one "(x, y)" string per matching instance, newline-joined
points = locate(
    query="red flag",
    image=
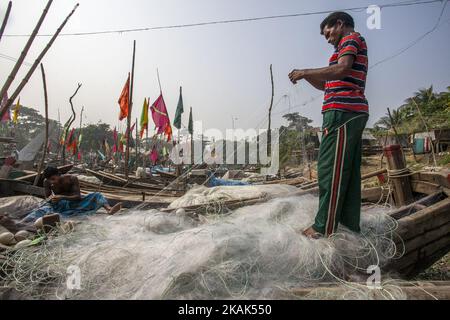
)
(131, 129)
(7, 115)
(161, 117)
(124, 100)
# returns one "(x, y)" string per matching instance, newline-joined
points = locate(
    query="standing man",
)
(345, 113)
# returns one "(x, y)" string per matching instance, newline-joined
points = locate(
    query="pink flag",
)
(154, 156)
(7, 115)
(161, 117)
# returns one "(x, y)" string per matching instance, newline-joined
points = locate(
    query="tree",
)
(30, 123)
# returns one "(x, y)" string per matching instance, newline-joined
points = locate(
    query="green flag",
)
(191, 123)
(179, 112)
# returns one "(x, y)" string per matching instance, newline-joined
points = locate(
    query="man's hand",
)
(55, 198)
(296, 75)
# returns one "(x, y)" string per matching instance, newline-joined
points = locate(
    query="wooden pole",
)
(402, 191)
(35, 65)
(269, 132)
(398, 136)
(428, 132)
(81, 125)
(136, 146)
(25, 50)
(45, 146)
(5, 19)
(130, 106)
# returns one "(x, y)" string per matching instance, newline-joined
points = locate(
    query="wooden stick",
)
(44, 149)
(428, 132)
(25, 50)
(5, 19)
(35, 65)
(130, 106)
(70, 121)
(269, 132)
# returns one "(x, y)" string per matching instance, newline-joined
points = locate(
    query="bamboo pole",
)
(45, 146)
(35, 64)
(5, 19)
(130, 107)
(25, 50)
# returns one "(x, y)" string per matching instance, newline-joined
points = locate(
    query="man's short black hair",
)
(50, 171)
(333, 18)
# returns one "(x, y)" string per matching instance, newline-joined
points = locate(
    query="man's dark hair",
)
(50, 171)
(333, 18)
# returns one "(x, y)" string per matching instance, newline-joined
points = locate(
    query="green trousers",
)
(339, 171)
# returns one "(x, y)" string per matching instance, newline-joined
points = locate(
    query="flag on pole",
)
(124, 100)
(161, 117)
(179, 112)
(191, 123)
(7, 115)
(16, 112)
(154, 156)
(144, 117)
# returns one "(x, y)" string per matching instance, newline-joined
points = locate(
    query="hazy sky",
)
(224, 69)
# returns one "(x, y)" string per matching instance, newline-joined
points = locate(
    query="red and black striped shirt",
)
(348, 94)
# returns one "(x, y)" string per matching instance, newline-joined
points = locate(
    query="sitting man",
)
(63, 196)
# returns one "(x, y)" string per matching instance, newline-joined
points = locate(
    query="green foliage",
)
(435, 109)
(94, 135)
(30, 123)
(291, 136)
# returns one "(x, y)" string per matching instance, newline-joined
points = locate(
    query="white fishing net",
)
(254, 252)
(201, 195)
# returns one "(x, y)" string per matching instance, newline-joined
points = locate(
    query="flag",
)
(124, 100)
(7, 115)
(179, 112)
(131, 129)
(80, 138)
(16, 112)
(191, 123)
(144, 117)
(161, 117)
(154, 156)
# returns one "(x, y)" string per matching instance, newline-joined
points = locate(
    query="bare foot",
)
(310, 233)
(115, 208)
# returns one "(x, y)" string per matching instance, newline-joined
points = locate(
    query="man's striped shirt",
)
(348, 94)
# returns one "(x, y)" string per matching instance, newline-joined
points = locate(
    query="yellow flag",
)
(16, 112)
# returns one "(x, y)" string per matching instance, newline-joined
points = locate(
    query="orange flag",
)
(124, 100)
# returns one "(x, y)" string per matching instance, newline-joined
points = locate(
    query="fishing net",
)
(200, 195)
(253, 252)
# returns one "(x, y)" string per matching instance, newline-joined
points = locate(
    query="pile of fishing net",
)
(199, 195)
(253, 252)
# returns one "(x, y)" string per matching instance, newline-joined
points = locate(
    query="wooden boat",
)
(114, 180)
(32, 175)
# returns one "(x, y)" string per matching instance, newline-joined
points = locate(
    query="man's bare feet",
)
(115, 208)
(310, 233)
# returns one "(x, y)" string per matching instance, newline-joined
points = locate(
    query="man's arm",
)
(318, 76)
(47, 189)
(318, 84)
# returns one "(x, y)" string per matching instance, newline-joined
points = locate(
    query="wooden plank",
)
(424, 220)
(441, 178)
(424, 187)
